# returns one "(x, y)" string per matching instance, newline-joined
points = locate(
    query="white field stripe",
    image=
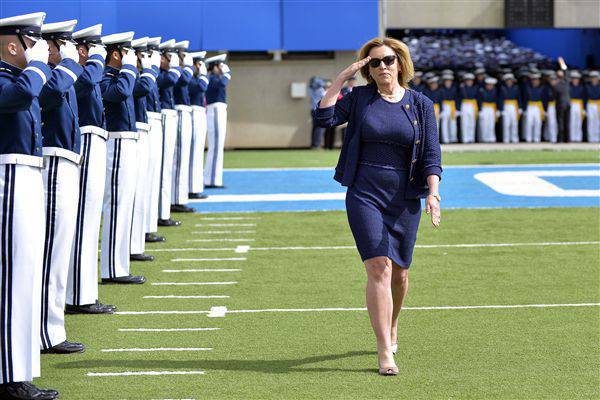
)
(208, 259)
(238, 198)
(145, 373)
(199, 225)
(422, 246)
(219, 240)
(191, 283)
(202, 270)
(186, 297)
(156, 349)
(219, 232)
(167, 329)
(228, 218)
(424, 308)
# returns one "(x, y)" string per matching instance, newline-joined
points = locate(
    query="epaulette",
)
(5, 70)
(109, 74)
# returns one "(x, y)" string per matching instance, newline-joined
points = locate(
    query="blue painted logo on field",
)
(573, 185)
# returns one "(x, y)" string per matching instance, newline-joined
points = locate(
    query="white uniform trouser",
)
(551, 128)
(510, 123)
(216, 116)
(142, 186)
(533, 123)
(593, 120)
(576, 121)
(22, 241)
(61, 187)
(467, 122)
(448, 124)
(487, 122)
(82, 286)
(197, 149)
(117, 210)
(181, 159)
(155, 139)
(169, 123)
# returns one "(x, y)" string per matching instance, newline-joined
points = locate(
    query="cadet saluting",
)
(23, 72)
(82, 286)
(198, 86)
(61, 141)
(121, 163)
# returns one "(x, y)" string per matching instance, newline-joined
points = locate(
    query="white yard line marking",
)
(185, 297)
(200, 225)
(217, 312)
(156, 349)
(143, 373)
(425, 308)
(219, 240)
(167, 329)
(236, 198)
(228, 218)
(242, 249)
(422, 246)
(219, 232)
(202, 270)
(191, 283)
(208, 259)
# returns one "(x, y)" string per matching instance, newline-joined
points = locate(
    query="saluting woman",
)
(390, 159)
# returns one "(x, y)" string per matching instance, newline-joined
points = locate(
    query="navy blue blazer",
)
(426, 151)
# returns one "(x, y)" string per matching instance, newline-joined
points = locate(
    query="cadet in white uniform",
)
(61, 148)
(198, 86)
(23, 72)
(593, 107)
(510, 96)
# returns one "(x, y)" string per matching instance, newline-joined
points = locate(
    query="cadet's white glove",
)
(202, 70)
(498, 113)
(155, 58)
(174, 61)
(225, 68)
(97, 51)
(146, 61)
(188, 60)
(130, 58)
(68, 50)
(39, 52)
(457, 113)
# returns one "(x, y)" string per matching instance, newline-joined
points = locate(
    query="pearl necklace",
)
(391, 97)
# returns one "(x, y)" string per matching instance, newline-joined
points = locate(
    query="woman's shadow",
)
(264, 366)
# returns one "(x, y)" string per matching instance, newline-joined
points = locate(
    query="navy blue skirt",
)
(382, 221)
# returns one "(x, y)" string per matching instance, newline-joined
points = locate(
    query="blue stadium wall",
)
(236, 25)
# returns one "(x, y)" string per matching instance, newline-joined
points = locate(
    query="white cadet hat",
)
(140, 44)
(491, 81)
(59, 30)
(534, 75)
(91, 35)
(183, 45)
(433, 79)
(168, 46)
(198, 54)
(153, 43)
(26, 24)
(118, 39)
(594, 74)
(575, 74)
(447, 77)
(468, 76)
(216, 59)
(507, 77)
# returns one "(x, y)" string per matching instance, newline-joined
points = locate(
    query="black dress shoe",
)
(96, 308)
(25, 391)
(215, 186)
(154, 238)
(65, 347)
(125, 280)
(168, 222)
(200, 196)
(180, 208)
(141, 257)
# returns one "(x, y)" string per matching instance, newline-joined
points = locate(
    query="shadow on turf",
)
(265, 366)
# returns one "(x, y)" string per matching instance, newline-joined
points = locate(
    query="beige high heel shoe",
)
(388, 371)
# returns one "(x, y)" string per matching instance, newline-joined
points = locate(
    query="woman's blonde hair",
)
(406, 70)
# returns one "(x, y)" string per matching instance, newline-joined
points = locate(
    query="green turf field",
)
(516, 353)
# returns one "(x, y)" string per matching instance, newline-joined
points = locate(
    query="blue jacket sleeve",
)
(431, 163)
(63, 77)
(117, 90)
(335, 115)
(168, 78)
(91, 75)
(198, 84)
(143, 85)
(18, 95)
(185, 78)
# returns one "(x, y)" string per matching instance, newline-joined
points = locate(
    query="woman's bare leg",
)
(380, 305)
(399, 290)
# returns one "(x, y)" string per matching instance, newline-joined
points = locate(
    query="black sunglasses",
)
(387, 60)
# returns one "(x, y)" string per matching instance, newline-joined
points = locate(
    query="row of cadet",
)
(561, 106)
(96, 130)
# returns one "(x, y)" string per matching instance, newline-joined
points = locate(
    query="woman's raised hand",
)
(353, 69)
